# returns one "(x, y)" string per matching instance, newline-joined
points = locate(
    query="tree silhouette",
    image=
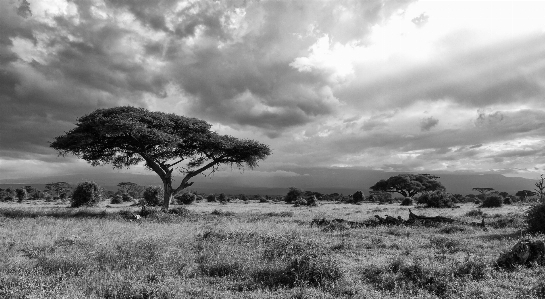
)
(127, 136)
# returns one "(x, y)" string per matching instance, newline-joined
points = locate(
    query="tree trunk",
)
(167, 194)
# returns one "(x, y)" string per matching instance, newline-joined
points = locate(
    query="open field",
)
(257, 250)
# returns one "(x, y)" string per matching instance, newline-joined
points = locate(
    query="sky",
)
(397, 86)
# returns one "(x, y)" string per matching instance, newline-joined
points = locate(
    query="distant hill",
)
(323, 180)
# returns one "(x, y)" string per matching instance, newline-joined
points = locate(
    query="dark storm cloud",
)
(231, 59)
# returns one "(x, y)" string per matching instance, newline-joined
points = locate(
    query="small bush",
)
(312, 201)
(300, 202)
(436, 199)
(186, 198)
(507, 201)
(357, 197)
(293, 195)
(263, 199)
(21, 194)
(126, 197)
(492, 202)
(407, 201)
(535, 219)
(86, 194)
(475, 213)
(153, 196)
(222, 198)
(211, 198)
(116, 199)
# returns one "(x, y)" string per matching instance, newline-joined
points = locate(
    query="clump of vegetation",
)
(86, 194)
(407, 201)
(126, 197)
(381, 197)
(312, 201)
(436, 199)
(493, 201)
(300, 202)
(21, 194)
(293, 195)
(116, 199)
(211, 198)
(153, 196)
(185, 198)
(507, 201)
(535, 219)
(475, 213)
(358, 197)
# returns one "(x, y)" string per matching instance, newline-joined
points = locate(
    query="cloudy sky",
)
(423, 86)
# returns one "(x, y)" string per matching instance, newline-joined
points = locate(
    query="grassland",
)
(257, 250)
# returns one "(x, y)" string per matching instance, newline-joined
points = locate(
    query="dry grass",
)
(256, 250)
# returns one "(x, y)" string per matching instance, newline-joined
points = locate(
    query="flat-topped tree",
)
(483, 191)
(409, 185)
(126, 136)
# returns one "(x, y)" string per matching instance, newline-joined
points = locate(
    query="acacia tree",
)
(409, 185)
(60, 188)
(483, 191)
(127, 136)
(523, 194)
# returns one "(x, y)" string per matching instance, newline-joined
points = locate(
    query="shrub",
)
(312, 201)
(535, 218)
(407, 201)
(475, 213)
(300, 202)
(293, 195)
(86, 194)
(126, 197)
(507, 201)
(263, 199)
(492, 202)
(211, 198)
(21, 194)
(357, 197)
(381, 197)
(223, 198)
(436, 199)
(153, 196)
(186, 198)
(116, 199)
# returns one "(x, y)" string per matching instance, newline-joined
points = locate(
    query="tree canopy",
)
(409, 185)
(127, 136)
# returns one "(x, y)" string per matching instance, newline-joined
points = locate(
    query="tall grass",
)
(90, 253)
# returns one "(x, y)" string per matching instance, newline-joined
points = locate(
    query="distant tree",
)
(131, 189)
(357, 197)
(56, 189)
(86, 194)
(127, 136)
(409, 185)
(540, 189)
(503, 194)
(523, 194)
(21, 194)
(293, 195)
(483, 191)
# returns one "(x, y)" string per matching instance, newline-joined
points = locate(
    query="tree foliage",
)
(294, 194)
(523, 194)
(58, 189)
(86, 194)
(409, 185)
(127, 136)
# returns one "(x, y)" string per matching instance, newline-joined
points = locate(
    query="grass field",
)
(257, 250)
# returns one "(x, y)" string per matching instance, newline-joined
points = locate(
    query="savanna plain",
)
(259, 250)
